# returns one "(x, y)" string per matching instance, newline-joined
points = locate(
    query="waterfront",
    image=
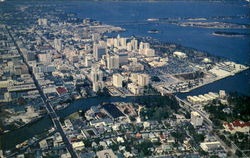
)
(236, 49)
(132, 14)
(229, 84)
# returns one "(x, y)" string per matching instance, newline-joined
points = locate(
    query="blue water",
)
(118, 13)
(131, 13)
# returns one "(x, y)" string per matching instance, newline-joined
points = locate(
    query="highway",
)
(48, 106)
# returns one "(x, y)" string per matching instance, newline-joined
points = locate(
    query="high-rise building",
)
(116, 43)
(123, 43)
(196, 119)
(96, 76)
(134, 44)
(222, 94)
(29, 56)
(110, 42)
(58, 44)
(99, 50)
(44, 58)
(117, 80)
(42, 22)
(143, 79)
(88, 60)
(43, 68)
(112, 61)
(149, 52)
(129, 46)
(123, 58)
(146, 45)
(141, 46)
(96, 37)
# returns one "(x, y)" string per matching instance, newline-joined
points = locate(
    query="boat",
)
(153, 31)
(152, 19)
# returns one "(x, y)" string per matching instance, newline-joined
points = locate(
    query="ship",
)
(153, 31)
(152, 19)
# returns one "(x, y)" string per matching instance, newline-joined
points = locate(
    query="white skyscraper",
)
(99, 50)
(96, 76)
(58, 44)
(123, 58)
(117, 80)
(42, 22)
(141, 46)
(44, 58)
(112, 61)
(110, 42)
(143, 79)
(129, 47)
(149, 52)
(88, 60)
(123, 43)
(134, 44)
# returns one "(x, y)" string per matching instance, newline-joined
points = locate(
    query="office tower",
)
(149, 52)
(88, 60)
(112, 61)
(44, 58)
(117, 80)
(96, 37)
(134, 44)
(29, 56)
(123, 58)
(116, 43)
(143, 79)
(42, 22)
(99, 50)
(141, 46)
(40, 68)
(129, 47)
(146, 45)
(123, 43)
(58, 44)
(110, 42)
(96, 76)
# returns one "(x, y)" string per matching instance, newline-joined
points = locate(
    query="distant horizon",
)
(130, 0)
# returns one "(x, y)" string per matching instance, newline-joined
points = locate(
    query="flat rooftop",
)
(113, 110)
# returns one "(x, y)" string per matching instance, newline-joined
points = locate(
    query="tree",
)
(103, 93)
(238, 153)
(114, 147)
(155, 79)
(87, 142)
(143, 148)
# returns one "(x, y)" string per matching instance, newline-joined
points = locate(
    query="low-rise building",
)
(108, 153)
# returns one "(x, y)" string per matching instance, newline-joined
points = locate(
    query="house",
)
(106, 153)
(210, 146)
(78, 145)
(237, 126)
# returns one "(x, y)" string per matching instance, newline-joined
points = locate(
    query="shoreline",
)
(228, 36)
(25, 125)
(81, 99)
(220, 78)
